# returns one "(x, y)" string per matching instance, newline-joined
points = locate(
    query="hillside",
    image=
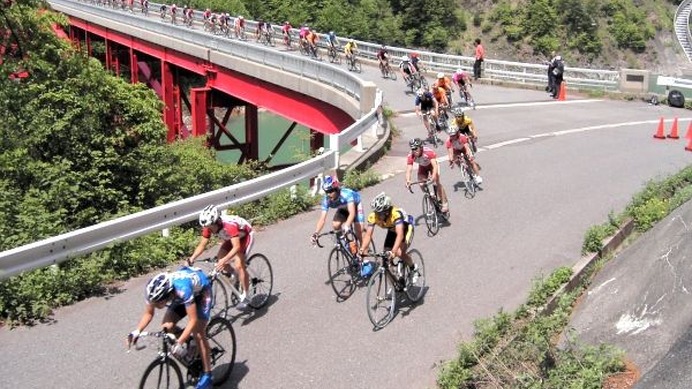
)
(603, 34)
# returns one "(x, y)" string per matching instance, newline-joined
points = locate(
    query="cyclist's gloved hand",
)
(390, 255)
(132, 338)
(179, 350)
(313, 238)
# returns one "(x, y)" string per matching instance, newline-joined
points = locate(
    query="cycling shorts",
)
(342, 214)
(202, 304)
(245, 243)
(391, 234)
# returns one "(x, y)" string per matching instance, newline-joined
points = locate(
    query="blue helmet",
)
(330, 184)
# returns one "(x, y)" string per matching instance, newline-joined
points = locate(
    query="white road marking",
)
(511, 105)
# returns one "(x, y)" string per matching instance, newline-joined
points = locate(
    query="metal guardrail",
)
(86, 240)
(682, 27)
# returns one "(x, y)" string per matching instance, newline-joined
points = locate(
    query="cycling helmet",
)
(209, 216)
(159, 287)
(381, 203)
(331, 33)
(404, 57)
(440, 75)
(421, 91)
(330, 184)
(415, 143)
(286, 22)
(459, 71)
(453, 131)
(240, 17)
(458, 112)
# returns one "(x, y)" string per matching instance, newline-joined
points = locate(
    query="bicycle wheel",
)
(222, 349)
(356, 66)
(162, 373)
(259, 270)
(381, 299)
(392, 74)
(430, 213)
(470, 182)
(219, 302)
(341, 274)
(415, 281)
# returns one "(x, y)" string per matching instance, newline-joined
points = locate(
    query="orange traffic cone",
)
(689, 137)
(674, 130)
(660, 133)
(563, 87)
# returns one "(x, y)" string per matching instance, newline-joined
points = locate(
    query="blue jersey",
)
(188, 282)
(345, 196)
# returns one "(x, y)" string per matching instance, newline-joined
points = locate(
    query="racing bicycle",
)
(354, 63)
(432, 206)
(467, 174)
(226, 286)
(387, 72)
(344, 266)
(390, 279)
(164, 372)
(334, 56)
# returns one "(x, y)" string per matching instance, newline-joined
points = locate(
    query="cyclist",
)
(286, 31)
(162, 11)
(399, 228)
(428, 168)
(187, 292)
(237, 236)
(144, 6)
(303, 34)
(465, 126)
(440, 95)
(426, 104)
(239, 26)
(463, 82)
(312, 39)
(445, 83)
(383, 57)
(260, 29)
(333, 40)
(349, 210)
(456, 145)
(407, 69)
(174, 10)
(350, 49)
(415, 61)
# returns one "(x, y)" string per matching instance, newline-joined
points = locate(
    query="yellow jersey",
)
(350, 47)
(397, 216)
(463, 124)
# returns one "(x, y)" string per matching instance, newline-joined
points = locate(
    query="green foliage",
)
(660, 197)
(540, 18)
(32, 295)
(544, 288)
(593, 241)
(517, 350)
(647, 214)
(545, 44)
(629, 26)
(356, 179)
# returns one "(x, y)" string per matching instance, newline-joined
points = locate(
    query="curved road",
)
(551, 170)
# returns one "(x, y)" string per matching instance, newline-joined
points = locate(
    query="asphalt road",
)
(540, 195)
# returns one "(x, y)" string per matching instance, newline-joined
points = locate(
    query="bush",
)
(647, 214)
(593, 241)
(358, 180)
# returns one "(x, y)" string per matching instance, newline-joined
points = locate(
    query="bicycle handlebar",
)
(426, 182)
(171, 338)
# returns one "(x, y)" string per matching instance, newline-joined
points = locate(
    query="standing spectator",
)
(558, 73)
(480, 56)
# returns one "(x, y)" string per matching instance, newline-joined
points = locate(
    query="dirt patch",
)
(625, 379)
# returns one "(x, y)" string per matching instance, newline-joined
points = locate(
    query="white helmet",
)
(381, 203)
(459, 71)
(159, 287)
(240, 16)
(440, 75)
(209, 216)
(404, 57)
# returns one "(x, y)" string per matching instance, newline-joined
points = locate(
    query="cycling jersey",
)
(232, 226)
(396, 216)
(350, 47)
(286, 28)
(460, 78)
(312, 37)
(188, 282)
(382, 54)
(458, 143)
(463, 124)
(439, 93)
(424, 160)
(444, 83)
(331, 38)
(407, 67)
(303, 32)
(346, 196)
(426, 101)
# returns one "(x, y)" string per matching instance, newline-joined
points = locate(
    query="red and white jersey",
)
(424, 160)
(458, 142)
(233, 226)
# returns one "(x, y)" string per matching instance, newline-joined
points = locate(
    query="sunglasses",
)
(330, 190)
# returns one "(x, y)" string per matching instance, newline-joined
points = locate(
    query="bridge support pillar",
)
(109, 54)
(134, 68)
(199, 100)
(171, 101)
(251, 132)
(316, 140)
